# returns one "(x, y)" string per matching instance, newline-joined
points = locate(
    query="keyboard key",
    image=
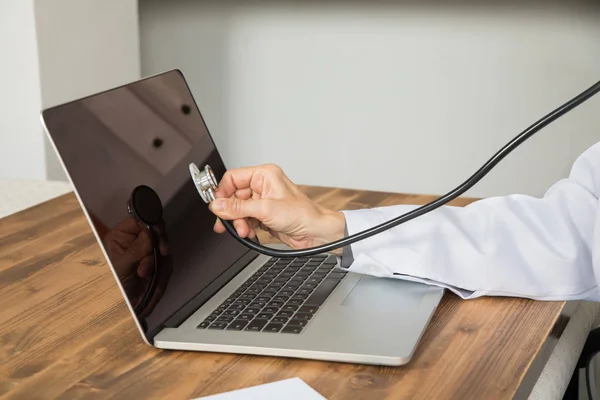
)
(258, 287)
(331, 260)
(318, 258)
(297, 280)
(292, 286)
(297, 263)
(285, 313)
(286, 293)
(257, 304)
(211, 318)
(243, 301)
(309, 285)
(280, 298)
(300, 296)
(280, 319)
(322, 292)
(264, 316)
(318, 274)
(326, 267)
(256, 325)
(247, 296)
(236, 306)
(271, 310)
(294, 302)
(237, 325)
(337, 274)
(292, 329)
(231, 312)
(275, 304)
(301, 315)
(308, 309)
(313, 263)
(252, 310)
(312, 279)
(298, 322)
(207, 323)
(245, 316)
(263, 298)
(218, 325)
(225, 318)
(274, 327)
(269, 292)
(289, 307)
(304, 291)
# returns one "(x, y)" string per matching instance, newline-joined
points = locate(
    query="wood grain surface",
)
(65, 331)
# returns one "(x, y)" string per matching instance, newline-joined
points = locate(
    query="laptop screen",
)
(127, 152)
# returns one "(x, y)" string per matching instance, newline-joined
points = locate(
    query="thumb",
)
(231, 209)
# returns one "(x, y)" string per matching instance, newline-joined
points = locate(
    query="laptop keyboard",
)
(281, 296)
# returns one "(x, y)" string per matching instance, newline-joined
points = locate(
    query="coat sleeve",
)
(539, 248)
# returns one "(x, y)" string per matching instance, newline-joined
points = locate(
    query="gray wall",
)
(385, 96)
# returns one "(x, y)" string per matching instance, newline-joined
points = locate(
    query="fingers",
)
(219, 228)
(234, 180)
(243, 194)
(145, 269)
(241, 227)
(242, 179)
(251, 224)
(234, 208)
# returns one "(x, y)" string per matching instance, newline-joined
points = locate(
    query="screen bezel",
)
(188, 308)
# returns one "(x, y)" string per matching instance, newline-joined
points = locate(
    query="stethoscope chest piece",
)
(205, 182)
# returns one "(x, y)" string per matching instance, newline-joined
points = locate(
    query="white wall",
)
(85, 46)
(20, 133)
(382, 96)
(53, 52)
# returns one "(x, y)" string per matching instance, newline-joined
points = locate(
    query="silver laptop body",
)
(126, 151)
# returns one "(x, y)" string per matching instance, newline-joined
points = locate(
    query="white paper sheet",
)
(288, 389)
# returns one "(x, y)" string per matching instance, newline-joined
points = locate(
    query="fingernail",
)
(218, 205)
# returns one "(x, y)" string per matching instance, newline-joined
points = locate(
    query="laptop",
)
(127, 153)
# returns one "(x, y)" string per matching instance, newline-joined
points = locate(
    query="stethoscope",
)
(206, 184)
(145, 206)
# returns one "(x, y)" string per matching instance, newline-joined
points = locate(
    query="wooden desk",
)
(65, 332)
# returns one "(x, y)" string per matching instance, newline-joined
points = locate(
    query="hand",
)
(131, 251)
(264, 197)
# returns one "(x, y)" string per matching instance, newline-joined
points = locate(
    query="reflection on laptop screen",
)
(144, 135)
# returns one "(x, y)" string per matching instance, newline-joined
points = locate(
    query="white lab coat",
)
(544, 248)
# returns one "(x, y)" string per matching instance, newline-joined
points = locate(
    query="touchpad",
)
(379, 294)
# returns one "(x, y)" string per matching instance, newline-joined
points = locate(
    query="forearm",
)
(514, 245)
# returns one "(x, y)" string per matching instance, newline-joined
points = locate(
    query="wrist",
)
(333, 228)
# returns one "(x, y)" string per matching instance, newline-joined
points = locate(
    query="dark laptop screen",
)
(145, 135)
